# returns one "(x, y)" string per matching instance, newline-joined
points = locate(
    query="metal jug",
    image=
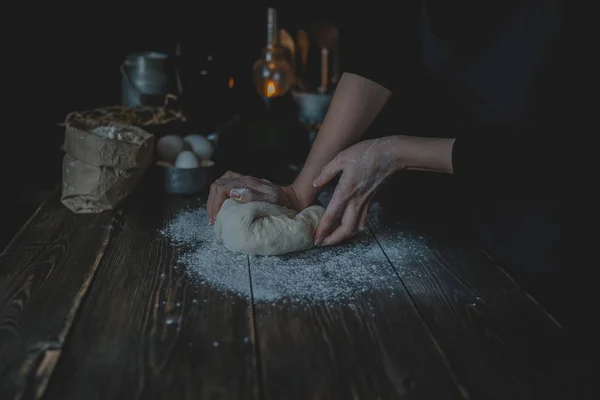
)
(146, 79)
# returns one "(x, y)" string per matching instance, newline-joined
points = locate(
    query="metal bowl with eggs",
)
(187, 163)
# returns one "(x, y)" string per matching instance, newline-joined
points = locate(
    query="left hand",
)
(245, 189)
(364, 167)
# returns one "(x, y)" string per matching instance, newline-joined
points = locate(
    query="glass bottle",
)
(272, 73)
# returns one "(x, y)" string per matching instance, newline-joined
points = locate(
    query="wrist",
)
(423, 153)
(296, 199)
(302, 188)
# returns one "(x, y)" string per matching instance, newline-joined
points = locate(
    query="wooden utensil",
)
(327, 35)
(302, 45)
(287, 43)
(324, 69)
(302, 40)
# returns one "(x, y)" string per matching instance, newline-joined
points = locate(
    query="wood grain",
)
(377, 348)
(148, 330)
(45, 274)
(499, 341)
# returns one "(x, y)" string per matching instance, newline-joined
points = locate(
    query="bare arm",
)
(355, 104)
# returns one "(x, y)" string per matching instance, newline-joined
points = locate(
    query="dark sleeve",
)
(523, 158)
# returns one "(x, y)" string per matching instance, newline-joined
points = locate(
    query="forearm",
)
(424, 153)
(355, 104)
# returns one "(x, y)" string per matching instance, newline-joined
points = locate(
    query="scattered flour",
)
(333, 274)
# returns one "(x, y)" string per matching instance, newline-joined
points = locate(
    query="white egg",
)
(187, 159)
(200, 145)
(169, 146)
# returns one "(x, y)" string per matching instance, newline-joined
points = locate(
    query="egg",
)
(169, 146)
(187, 159)
(200, 145)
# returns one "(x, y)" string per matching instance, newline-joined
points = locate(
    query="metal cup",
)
(146, 78)
(189, 180)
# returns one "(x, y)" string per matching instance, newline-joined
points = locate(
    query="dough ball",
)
(266, 229)
(200, 145)
(187, 159)
(169, 146)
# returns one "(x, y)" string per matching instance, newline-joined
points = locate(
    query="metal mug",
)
(146, 79)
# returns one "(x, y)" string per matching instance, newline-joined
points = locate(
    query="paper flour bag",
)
(102, 164)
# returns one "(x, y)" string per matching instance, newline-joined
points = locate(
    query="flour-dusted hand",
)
(364, 167)
(245, 189)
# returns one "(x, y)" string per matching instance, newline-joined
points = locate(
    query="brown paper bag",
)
(108, 145)
(102, 164)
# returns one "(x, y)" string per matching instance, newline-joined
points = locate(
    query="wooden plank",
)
(45, 273)
(499, 341)
(149, 330)
(375, 347)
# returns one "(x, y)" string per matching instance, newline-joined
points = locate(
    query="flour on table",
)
(336, 274)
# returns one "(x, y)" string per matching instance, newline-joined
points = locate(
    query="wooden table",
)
(85, 299)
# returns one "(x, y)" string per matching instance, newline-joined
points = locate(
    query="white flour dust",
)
(121, 133)
(333, 274)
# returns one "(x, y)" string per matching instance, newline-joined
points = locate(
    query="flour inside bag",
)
(103, 163)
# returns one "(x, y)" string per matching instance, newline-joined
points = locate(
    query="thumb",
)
(240, 194)
(328, 172)
(247, 195)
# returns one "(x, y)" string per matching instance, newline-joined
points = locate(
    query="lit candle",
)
(270, 89)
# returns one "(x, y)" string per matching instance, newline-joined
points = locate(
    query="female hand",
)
(364, 167)
(246, 189)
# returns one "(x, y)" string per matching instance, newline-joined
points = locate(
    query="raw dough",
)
(266, 229)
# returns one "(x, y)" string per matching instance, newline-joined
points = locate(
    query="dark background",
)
(46, 78)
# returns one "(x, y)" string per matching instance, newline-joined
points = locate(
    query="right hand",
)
(245, 189)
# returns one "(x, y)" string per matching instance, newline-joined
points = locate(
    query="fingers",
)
(220, 192)
(362, 223)
(348, 228)
(329, 172)
(354, 221)
(209, 203)
(211, 207)
(217, 196)
(327, 225)
(333, 214)
(218, 201)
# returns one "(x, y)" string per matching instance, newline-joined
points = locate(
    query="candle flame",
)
(270, 89)
(231, 82)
